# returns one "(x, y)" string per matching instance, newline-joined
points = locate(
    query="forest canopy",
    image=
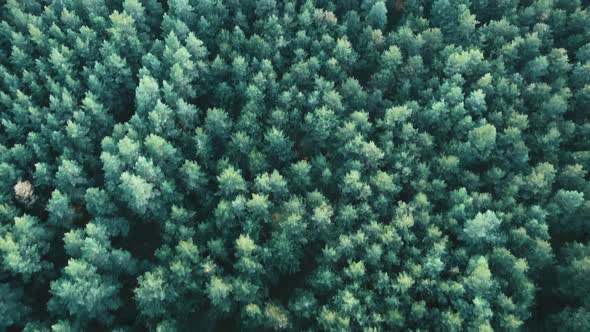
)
(318, 165)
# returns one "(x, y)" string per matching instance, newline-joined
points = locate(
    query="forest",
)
(294, 165)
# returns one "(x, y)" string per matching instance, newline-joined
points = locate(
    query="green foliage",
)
(23, 246)
(12, 309)
(294, 165)
(231, 182)
(377, 16)
(61, 212)
(483, 229)
(218, 292)
(136, 192)
(82, 293)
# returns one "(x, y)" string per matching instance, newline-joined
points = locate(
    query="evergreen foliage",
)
(298, 165)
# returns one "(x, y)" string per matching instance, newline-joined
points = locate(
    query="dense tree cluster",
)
(300, 165)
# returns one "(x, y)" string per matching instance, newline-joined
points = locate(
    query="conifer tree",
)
(294, 165)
